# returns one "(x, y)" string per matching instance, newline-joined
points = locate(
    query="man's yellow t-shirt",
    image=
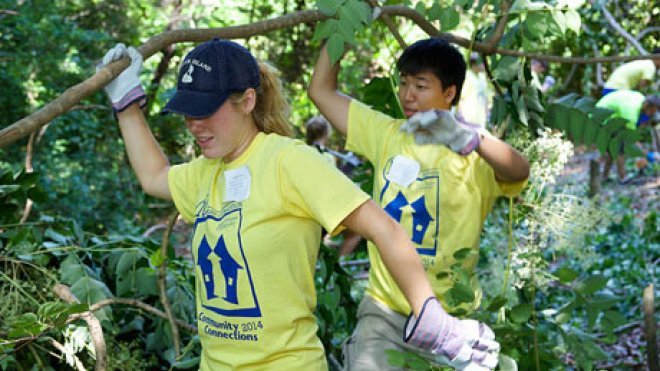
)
(257, 229)
(628, 75)
(440, 198)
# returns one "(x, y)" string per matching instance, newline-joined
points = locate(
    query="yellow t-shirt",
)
(628, 75)
(257, 229)
(442, 208)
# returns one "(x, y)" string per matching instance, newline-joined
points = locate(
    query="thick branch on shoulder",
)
(75, 94)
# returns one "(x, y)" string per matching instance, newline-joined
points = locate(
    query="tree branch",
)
(615, 25)
(134, 303)
(491, 44)
(93, 323)
(162, 284)
(74, 94)
(390, 25)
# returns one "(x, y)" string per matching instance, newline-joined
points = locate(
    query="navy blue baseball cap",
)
(209, 74)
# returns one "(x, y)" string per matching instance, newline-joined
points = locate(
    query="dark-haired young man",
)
(440, 194)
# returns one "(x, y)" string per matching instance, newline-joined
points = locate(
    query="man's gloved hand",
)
(466, 345)
(126, 88)
(442, 127)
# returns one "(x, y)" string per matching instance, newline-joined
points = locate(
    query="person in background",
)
(539, 68)
(639, 111)
(635, 75)
(440, 192)
(317, 134)
(475, 96)
(258, 200)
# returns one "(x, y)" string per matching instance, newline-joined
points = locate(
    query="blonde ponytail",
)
(271, 113)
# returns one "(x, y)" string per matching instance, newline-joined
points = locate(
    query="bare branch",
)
(491, 44)
(134, 303)
(390, 25)
(617, 27)
(162, 283)
(74, 94)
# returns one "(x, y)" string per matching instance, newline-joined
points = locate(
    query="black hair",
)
(437, 56)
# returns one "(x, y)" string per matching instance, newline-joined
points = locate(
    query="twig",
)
(93, 323)
(134, 303)
(28, 169)
(491, 78)
(568, 79)
(153, 229)
(615, 25)
(390, 25)
(162, 275)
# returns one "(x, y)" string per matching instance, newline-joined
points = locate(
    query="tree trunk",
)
(594, 177)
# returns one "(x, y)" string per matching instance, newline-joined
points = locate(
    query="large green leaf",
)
(335, 47)
(536, 24)
(449, 19)
(521, 312)
(590, 132)
(71, 270)
(329, 7)
(577, 123)
(127, 262)
(591, 284)
(507, 68)
(573, 20)
(146, 282)
(90, 291)
(324, 29)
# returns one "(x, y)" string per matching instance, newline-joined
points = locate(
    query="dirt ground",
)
(629, 351)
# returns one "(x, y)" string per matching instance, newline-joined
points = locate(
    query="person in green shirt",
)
(638, 110)
(635, 75)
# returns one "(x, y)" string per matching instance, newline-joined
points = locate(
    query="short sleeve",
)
(484, 175)
(369, 130)
(183, 182)
(315, 189)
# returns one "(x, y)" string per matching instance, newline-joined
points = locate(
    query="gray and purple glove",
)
(126, 88)
(466, 345)
(442, 127)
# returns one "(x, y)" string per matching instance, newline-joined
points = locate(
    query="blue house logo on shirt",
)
(222, 267)
(413, 201)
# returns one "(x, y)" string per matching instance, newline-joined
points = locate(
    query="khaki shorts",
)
(378, 329)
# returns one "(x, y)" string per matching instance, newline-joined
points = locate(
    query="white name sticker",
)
(237, 184)
(404, 171)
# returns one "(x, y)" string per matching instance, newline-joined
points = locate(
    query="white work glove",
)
(442, 127)
(466, 345)
(126, 88)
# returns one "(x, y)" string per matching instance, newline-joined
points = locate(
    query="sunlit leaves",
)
(350, 18)
(586, 124)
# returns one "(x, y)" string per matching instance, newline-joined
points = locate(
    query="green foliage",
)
(37, 255)
(380, 93)
(350, 17)
(583, 283)
(586, 124)
(336, 310)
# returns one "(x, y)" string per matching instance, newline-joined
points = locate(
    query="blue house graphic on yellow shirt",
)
(421, 219)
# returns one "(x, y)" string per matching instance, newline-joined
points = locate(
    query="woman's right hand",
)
(126, 88)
